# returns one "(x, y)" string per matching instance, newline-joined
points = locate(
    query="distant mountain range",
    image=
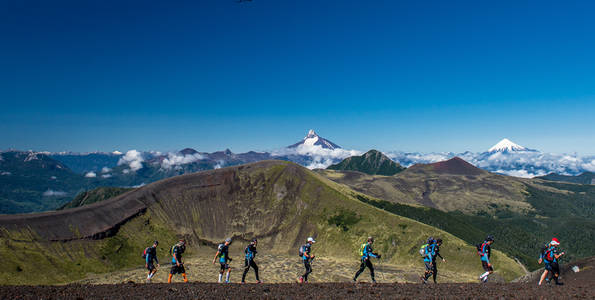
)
(36, 181)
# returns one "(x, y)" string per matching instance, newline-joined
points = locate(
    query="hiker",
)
(177, 264)
(250, 252)
(484, 251)
(551, 256)
(436, 254)
(307, 258)
(428, 251)
(548, 268)
(224, 260)
(366, 252)
(150, 255)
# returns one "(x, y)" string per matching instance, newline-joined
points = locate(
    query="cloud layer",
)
(519, 164)
(315, 156)
(176, 159)
(134, 159)
(52, 193)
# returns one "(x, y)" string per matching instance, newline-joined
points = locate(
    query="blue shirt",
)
(368, 252)
(485, 252)
(430, 252)
(307, 248)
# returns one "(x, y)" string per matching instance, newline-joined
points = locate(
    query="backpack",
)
(422, 250)
(145, 253)
(479, 251)
(301, 251)
(362, 248)
(548, 255)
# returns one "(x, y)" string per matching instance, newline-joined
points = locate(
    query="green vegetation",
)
(584, 178)
(372, 162)
(344, 218)
(279, 202)
(95, 195)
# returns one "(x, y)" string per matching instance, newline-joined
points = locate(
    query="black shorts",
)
(150, 267)
(224, 266)
(177, 269)
(548, 266)
(485, 266)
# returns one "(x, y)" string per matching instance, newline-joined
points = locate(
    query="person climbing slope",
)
(224, 260)
(552, 256)
(177, 264)
(307, 258)
(250, 252)
(484, 251)
(428, 251)
(366, 252)
(150, 255)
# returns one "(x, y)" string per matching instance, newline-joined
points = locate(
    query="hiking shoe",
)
(258, 281)
(300, 279)
(373, 281)
(559, 283)
(423, 280)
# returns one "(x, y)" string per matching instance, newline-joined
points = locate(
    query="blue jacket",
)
(368, 252)
(307, 248)
(430, 252)
(250, 252)
(151, 255)
(485, 252)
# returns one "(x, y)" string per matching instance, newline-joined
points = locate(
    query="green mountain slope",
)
(468, 203)
(281, 203)
(95, 195)
(584, 178)
(372, 162)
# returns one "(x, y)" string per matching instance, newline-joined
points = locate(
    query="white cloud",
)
(520, 164)
(91, 174)
(175, 159)
(318, 157)
(105, 170)
(52, 193)
(125, 171)
(106, 175)
(219, 164)
(53, 177)
(5, 173)
(134, 159)
(117, 152)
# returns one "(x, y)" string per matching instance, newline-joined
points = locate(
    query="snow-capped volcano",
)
(312, 139)
(506, 145)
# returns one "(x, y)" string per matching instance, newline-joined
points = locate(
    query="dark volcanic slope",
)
(454, 166)
(581, 290)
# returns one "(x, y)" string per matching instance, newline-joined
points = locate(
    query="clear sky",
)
(391, 75)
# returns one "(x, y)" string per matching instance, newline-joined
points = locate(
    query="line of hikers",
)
(430, 251)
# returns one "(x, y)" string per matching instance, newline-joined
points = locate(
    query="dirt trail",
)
(297, 291)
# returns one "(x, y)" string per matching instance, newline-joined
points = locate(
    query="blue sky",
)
(391, 75)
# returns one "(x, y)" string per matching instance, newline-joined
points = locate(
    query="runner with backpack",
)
(177, 267)
(366, 252)
(551, 258)
(307, 258)
(428, 251)
(484, 251)
(250, 252)
(150, 255)
(548, 268)
(224, 260)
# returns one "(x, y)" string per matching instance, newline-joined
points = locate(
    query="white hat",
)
(311, 239)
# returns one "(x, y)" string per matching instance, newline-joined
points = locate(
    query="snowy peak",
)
(506, 145)
(312, 139)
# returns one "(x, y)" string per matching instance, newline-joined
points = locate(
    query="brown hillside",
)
(454, 166)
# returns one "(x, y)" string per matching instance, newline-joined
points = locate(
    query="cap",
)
(254, 240)
(156, 242)
(370, 239)
(438, 241)
(490, 238)
(228, 240)
(555, 242)
(311, 239)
